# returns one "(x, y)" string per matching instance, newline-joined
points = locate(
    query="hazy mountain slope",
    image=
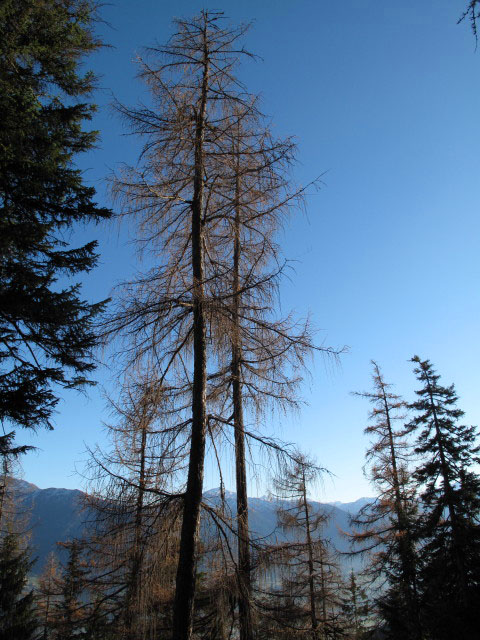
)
(56, 516)
(263, 519)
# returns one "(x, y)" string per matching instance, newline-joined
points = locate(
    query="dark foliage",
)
(450, 495)
(17, 609)
(386, 529)
(70, 613)
(46, 334)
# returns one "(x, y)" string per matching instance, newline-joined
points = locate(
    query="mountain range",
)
(57, 515)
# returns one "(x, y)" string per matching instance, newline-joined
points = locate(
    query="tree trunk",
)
(131, 612)
(244, 566)
(405, 544)
(186, 571)
(311, 585)
(3, 486)
(323, 584)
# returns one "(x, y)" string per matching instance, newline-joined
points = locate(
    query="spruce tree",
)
(17, 609)
(386, 528)
(70, 613)
(46, 332)
(8, 455)
(99, 624)
(355, 609)
(450, 494)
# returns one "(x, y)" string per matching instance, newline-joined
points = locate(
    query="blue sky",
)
(383, 100)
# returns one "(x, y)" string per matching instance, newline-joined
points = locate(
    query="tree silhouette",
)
(450, 494)
(17, 608)
(46, 328)
(386, 529)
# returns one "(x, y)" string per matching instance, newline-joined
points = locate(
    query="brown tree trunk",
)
(311, 585)
(406, 544)
(183, 607)
(323, 583)
(131, 612)
(244, 563)
(46, 618)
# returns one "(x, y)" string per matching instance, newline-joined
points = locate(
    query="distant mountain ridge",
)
(263, 516)
(352, 507)
(54, 515)
(57, 515)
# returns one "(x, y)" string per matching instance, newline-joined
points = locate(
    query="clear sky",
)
(383, 99)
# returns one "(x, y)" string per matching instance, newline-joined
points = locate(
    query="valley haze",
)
(57, 515)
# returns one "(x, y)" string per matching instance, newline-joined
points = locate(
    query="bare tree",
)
(259, 355)
(210, 194)
(174, 193)
(132, 515)
(309, 599)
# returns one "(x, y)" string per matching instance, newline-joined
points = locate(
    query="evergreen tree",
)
(386, 529)
(70, 612)
(355, 609)
(17, 609)
(46, 332)
(99, 625)
(450, 493)
(9, 453)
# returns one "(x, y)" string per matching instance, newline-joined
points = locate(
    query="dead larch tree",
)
(191, 82)
(209, 193)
